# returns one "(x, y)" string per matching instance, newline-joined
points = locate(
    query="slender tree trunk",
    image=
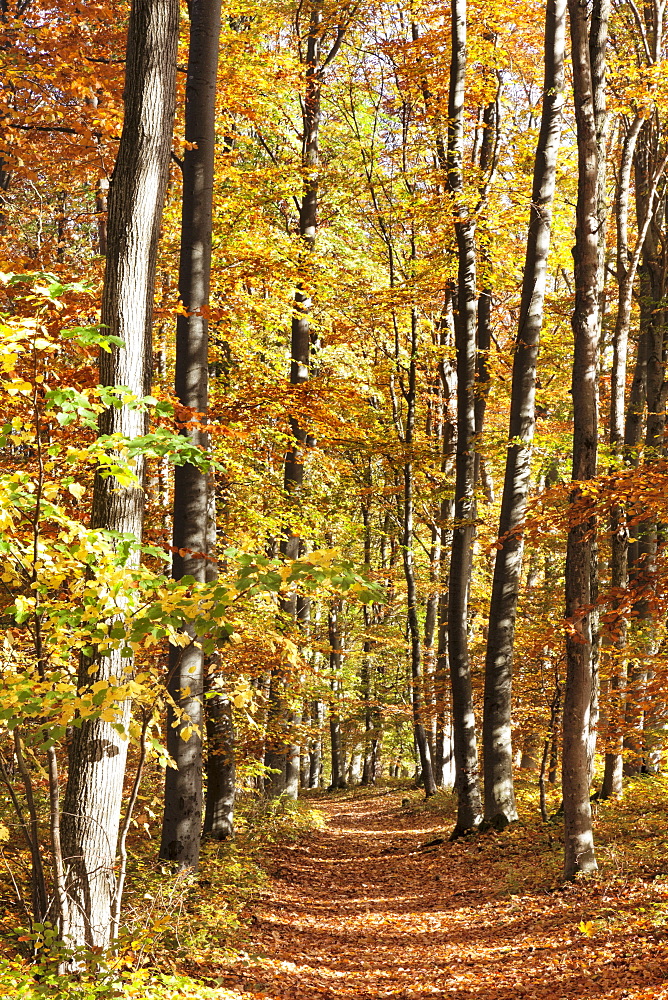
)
(491, 119)
(335, 660)
(92, 806)
(444, 768)
(275, 756)
(5, 169)
(578, 838)
(626, 268)
(368, 770)
(469, 811)
(182, 821)
(365, 685)
(419, 729)
(430, 643)
(650, 165)
(598, 40)
(555, 707)
(315, 750)
(300, 340)
(499, 791)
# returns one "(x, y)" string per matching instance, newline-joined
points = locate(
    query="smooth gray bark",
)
(417, 672)
(497, 737)
(626, 268)
(93, 798)
(579, 853)
(469, 809)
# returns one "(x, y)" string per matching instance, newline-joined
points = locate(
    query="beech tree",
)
(578, 839)
(282, 758)
(356, 323)
(499, 792)
(469, 812)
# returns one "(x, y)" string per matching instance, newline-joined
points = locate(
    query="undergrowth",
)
(179, 929)
(175, 927)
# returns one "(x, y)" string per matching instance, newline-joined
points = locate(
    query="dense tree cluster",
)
(333, 413)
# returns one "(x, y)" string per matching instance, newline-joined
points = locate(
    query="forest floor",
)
(367, 908)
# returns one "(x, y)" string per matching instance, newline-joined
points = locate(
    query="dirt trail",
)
(364, 910)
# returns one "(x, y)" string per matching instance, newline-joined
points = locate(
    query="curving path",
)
(364, 910)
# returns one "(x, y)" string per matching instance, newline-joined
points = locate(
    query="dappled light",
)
(469, 921)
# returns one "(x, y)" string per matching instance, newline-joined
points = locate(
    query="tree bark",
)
(469, 809)
(335, 658)
(499, 790)
(444, 768)
(579, 853)
(220, 768)
(650, 164)
(93, 797)
(417, 673)
(626, 269)
(182, 821)
(300, 338)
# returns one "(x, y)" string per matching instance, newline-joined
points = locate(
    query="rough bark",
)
(92, 805)
(499, 790)
(182, 821)
(578, 837)
(469, 809)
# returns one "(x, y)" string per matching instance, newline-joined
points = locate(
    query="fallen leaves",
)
(363, 912)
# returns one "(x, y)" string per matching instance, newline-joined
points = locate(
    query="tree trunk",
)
(469, 812)
(101, 205)
(182, 821)
(626, 268)
(315, 749)
(220, 769)
(650, 164)
(578, 838)
(93, 797)
(335, 657)
(499, 790)
(419, 729)
(444, 768)
(300, 339)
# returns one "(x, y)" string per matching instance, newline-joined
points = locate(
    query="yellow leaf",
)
(77, 490)
(586, 928)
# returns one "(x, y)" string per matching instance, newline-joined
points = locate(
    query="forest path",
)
(364, 910)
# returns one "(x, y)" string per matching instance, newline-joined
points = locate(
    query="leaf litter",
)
(380, 905)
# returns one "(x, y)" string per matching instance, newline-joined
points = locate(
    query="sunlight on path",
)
(364, 910)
